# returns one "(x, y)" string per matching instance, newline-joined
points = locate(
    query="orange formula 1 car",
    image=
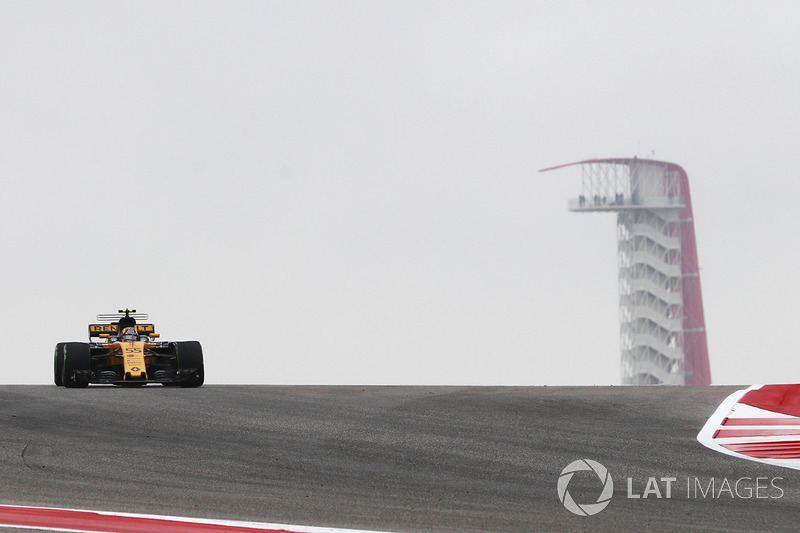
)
(123, 352)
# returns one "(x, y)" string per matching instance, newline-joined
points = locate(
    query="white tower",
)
(662, 329)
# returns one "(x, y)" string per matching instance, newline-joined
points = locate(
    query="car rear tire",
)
(58, 364)
(77, 357)
(190, 355)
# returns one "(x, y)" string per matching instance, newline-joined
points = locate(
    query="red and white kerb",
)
(761, 424)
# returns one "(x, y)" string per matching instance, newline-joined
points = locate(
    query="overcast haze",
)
(348, 192)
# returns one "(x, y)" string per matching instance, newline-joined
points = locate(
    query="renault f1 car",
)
(121, 351)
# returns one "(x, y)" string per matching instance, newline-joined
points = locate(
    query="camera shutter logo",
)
(585, 509)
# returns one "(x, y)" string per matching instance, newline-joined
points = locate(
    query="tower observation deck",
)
(662, 327)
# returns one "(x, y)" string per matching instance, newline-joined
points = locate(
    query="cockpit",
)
(129, 334)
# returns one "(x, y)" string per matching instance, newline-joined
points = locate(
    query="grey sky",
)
(348, 192)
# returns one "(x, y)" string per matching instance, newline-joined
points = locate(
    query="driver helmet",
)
(129, 334)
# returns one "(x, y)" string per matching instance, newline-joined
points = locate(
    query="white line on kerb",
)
(293, 528)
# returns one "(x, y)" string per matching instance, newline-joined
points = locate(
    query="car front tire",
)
(77, 357)
(190, 355)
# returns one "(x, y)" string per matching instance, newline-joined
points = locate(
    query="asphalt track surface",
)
(382, 458)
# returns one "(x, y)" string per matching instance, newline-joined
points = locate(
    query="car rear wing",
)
(95, 330)
(114, 317)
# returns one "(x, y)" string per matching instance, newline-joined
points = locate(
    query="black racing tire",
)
(190, 355)
(77, 356)
(58, 364)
